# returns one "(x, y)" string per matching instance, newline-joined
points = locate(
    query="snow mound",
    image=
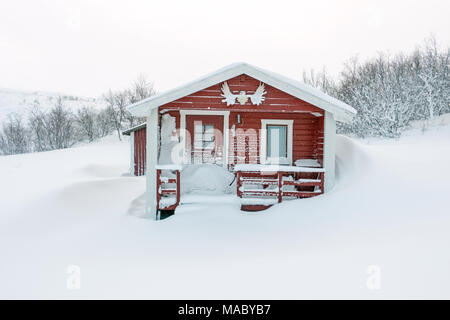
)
(352, 160)
(101, 171)
(168, 140)
(389, 208)
(206, 179)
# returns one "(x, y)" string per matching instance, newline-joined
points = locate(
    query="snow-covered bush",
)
(54, 129)
(14, 136)
(85, 119)
(388, 92)
(59, 127)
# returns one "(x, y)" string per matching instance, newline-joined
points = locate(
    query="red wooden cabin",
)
(276, 134)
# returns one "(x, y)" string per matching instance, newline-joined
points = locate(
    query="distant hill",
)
(21, 101)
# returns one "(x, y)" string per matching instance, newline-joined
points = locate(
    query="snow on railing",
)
(265, 185)
(167, 197)
(274, 168)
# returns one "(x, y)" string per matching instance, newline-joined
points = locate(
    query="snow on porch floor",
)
(207, 199)
(206, 205)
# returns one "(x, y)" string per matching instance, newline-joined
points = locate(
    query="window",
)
(203, 136)
(276, 141)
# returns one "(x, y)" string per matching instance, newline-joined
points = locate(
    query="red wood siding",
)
(140, 142)
(307, 128)
(209, 98)
(305, 136)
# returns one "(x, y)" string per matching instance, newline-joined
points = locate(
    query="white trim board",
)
(263, 139)
(226, 121)
(132, 153)
(340, 110)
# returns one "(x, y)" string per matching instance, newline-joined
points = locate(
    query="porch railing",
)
(266, 184)
(167, 189)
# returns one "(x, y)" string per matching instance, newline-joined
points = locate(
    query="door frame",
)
(226, 121)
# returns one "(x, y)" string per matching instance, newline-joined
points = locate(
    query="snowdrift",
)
(389, 209)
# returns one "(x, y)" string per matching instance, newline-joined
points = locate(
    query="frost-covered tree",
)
(141, 89)
(86, 122)
(118, 101)
(116, 109)
(60, 126)
(38, 131)
(14, 136)
(103, 123)
(388, 92)
(54, 129)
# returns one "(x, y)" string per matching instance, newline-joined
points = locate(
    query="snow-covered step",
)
(169, 191)
(167, 180)
(167, 202)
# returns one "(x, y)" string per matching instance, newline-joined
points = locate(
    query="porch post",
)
(152, 160)
(329, 152)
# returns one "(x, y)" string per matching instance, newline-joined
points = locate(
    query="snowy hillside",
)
(389, 209)
(20, 101)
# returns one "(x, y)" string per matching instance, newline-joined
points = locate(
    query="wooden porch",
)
(257, 186)
(260, 186)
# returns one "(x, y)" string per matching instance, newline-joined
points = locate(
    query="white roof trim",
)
(342, 112)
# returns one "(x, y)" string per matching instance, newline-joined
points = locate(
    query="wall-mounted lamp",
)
(238, 119)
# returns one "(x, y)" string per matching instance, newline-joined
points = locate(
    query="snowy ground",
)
(390, 209)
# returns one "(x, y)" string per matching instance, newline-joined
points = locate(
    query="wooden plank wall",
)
(308, 128)
(246, 150)
(140, 142)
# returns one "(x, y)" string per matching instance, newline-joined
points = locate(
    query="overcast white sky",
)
(87, 47)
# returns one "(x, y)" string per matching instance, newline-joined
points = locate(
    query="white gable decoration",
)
(256, 98)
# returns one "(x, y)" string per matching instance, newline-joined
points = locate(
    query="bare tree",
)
(60, 127)
(103, 123)
(118, 101)
(14, 136)
(141, 89)
(86, 120)
(116, 109)
(54, 129)
(37, 126)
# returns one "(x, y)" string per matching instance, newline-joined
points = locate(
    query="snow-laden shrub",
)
(388, 93)
(54, 129)
(14, 136)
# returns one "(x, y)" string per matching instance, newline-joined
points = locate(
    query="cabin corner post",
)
(329, 152)
(152, 160)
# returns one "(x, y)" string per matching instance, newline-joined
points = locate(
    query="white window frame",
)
(263, 141)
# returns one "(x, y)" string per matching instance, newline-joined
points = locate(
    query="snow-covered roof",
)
(135, 128)
(342, 111)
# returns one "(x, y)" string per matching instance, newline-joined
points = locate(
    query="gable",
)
(275, 100)
(340, 110)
